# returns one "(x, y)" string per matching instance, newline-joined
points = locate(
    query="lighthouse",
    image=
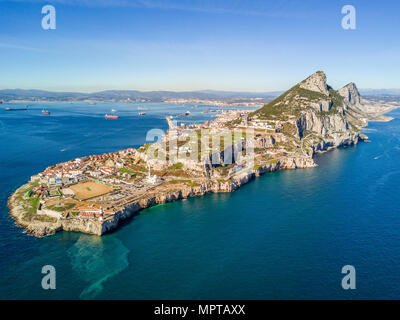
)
(152, 179)
(101, 214)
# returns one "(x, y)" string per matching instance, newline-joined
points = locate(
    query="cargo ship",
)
(107, 116)
(16, 109)
(46, 112)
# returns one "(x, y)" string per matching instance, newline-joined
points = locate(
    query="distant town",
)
(216, 98)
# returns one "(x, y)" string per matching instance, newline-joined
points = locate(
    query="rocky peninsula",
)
(94, 194)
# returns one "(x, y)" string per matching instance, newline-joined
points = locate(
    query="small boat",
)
(46, 112)
(113, 110)
(142, 113)
(108, 116)
(187, 113)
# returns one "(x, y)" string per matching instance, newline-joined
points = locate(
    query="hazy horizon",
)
(184, 91)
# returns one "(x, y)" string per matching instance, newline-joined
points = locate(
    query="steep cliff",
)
(316, 82)
(350, 95)
(323, 116)
(354, 109)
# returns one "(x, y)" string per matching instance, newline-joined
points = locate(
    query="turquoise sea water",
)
(286, 235)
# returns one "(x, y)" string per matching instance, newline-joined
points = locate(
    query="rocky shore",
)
(43, 228)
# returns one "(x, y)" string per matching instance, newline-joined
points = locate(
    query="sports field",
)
(90, 189)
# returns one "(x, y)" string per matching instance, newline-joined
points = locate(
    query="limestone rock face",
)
(265, 142)
(324, 105)
(82, 225)
(354, 109)
(337, 140)
(350, 95)
(316, 82)
(321, 125)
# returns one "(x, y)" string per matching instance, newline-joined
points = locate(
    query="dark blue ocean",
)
(286, 235)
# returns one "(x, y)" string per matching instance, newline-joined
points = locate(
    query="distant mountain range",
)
(154, 96)
(380, 92)
(123, 95)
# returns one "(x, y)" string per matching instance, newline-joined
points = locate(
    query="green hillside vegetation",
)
(337, 101)
(176, 166)
(31, 205)
(296, 100)
(66, 207)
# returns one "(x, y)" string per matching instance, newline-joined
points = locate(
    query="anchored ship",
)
(108, 116)
(16, 109)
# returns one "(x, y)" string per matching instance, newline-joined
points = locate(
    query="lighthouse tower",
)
(152, 179)
(101, 214)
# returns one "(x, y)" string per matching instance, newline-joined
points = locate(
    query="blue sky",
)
(181, 45)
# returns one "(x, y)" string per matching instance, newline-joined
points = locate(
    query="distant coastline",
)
(134, 96)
